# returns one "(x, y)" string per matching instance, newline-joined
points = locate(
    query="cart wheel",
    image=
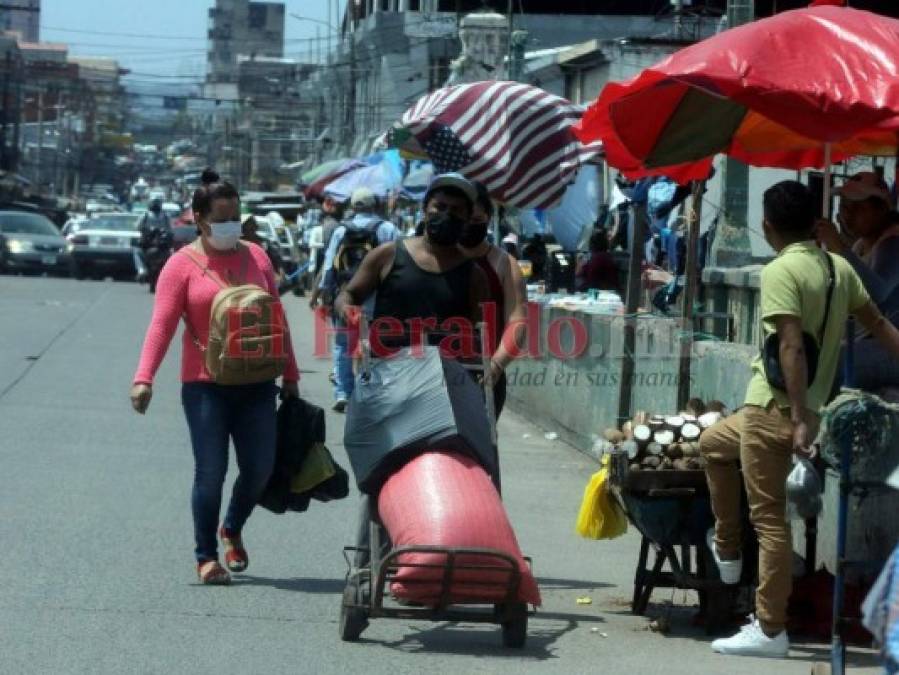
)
(821, 669)
(515, 626)
(353, 618)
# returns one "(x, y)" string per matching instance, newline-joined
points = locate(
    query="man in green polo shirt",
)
(763, 435)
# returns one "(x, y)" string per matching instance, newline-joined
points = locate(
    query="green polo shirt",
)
(795, 284)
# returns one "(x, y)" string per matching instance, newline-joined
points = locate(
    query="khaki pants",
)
(761, 440)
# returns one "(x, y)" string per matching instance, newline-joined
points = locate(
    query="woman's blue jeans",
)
(216, 414)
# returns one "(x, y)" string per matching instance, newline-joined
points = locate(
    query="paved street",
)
(97, 573)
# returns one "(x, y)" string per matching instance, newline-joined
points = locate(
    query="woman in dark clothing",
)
(600, 271)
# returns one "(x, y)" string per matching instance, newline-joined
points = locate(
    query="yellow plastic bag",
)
(317, 468)
(600, 517)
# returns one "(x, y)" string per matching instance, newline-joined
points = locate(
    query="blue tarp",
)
(567, 221)
(382, 174)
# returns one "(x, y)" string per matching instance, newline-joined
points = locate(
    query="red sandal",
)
(236, 557)
(211, 573)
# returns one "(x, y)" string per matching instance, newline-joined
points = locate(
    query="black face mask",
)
(473, 234)
(443, 229)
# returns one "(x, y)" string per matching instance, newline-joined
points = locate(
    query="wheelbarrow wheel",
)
(353, 612)
(515, 626)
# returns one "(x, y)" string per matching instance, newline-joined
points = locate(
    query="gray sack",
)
(409, 405)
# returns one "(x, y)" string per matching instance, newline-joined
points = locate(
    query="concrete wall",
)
(578, 397)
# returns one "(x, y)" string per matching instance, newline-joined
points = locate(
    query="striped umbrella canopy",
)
(514, 138)
(328, 168)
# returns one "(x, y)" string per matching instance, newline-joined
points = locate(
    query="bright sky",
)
(161, 39)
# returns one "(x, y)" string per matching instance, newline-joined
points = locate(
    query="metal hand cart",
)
(372, 570)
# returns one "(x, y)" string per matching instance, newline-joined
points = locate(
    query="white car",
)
(105, 245)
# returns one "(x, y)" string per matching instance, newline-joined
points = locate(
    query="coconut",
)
(674, 423)
(635, 467)
(651, 462)
(602, 447)
(688, 417)
(642, 434)
(682, 464)
(667, 465)
(613, 435)
(690, 431)
(674, 451)
(690, 448)
(664, 437)
(654, 448)
(717, 406)
(630, 448)
(696, 406)
(709, 418)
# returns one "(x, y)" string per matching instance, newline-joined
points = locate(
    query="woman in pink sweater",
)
(215, 413)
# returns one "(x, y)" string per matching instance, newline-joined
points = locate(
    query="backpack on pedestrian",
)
(355, 245)
(247, 331)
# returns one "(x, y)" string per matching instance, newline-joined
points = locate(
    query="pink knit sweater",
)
(184, 289)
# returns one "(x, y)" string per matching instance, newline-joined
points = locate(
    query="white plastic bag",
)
(803, 491)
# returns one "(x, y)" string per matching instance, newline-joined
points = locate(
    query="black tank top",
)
(410, 292)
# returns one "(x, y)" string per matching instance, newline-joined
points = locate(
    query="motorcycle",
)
(156, 253)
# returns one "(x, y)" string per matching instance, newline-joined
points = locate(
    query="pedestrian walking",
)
(506, 290)
(347, 248)
(215, 412)
(806, 297)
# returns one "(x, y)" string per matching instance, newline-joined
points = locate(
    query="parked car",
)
(30, 242)
(105, 246)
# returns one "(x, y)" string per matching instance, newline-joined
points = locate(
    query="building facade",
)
(22, 17)
(241, 27)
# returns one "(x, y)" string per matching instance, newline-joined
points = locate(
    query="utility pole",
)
(731, 246)
(40, 140)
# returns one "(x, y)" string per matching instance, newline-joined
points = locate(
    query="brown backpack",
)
(248, 336)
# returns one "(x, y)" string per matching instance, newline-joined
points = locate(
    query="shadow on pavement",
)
(298, 584)
(468, 640)
(855, 658)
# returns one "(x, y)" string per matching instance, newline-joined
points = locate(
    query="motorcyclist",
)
(156, 239)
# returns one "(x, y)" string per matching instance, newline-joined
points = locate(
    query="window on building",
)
(258, 15)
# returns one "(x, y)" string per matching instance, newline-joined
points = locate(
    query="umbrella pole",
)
(826, 211)
(634, 286)
(691, 272)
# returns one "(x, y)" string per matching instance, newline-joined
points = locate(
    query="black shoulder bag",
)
(771, 347)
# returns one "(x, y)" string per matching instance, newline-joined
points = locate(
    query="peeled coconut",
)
(665, 437)
(710, 418)
(690, 431)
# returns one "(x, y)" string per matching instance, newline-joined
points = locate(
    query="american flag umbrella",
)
(514, 138)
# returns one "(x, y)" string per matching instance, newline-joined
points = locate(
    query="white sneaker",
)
(730, 570)
(752, 641)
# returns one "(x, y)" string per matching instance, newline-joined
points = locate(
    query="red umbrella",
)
(780, 92)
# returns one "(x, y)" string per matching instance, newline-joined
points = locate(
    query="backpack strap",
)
(204, 268)
(831, 282)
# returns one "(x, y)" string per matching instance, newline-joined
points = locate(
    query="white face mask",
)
(225, 235)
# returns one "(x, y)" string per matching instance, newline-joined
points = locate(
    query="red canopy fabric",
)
(769, 93)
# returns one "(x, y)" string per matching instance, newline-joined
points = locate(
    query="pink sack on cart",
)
(447, 499)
